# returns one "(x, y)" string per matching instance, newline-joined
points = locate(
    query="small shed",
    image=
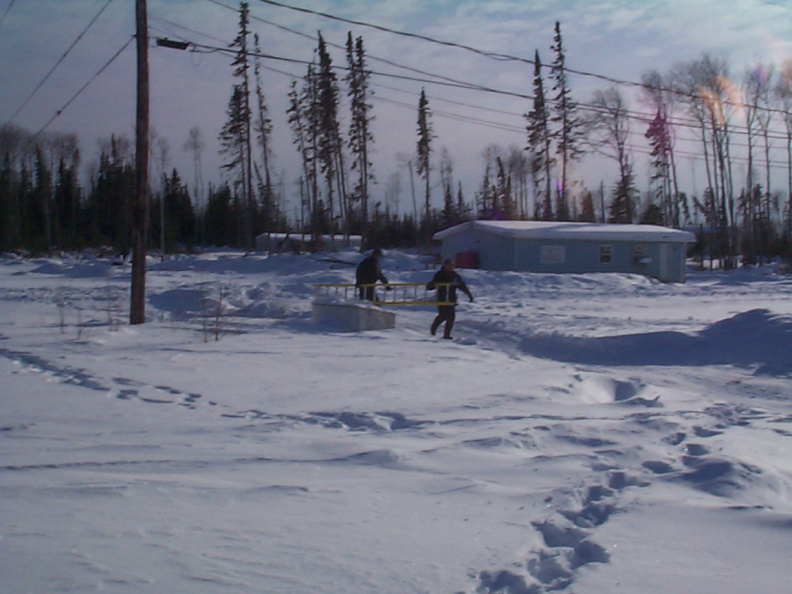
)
(542, 246)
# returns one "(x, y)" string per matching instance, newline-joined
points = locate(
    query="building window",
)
(552, 254)
(606, 256)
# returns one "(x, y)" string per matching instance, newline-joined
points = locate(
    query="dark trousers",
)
(366, 293)
(447, 314)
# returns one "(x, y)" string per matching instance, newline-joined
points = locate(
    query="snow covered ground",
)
(583, 433)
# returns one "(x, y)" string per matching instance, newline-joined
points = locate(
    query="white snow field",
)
(582, 433)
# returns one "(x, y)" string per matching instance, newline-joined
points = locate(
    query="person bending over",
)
(368, 273)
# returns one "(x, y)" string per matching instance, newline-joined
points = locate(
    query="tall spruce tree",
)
(565, 116)
(41, 206)
(464, 211)
(360, 135)
(241, 95)
(540, 144)
(263, 128)
(424, 151)
(233, 144)
(303, 120)
(658, 93)
(658, 136)
(622, 208)
(330, 149)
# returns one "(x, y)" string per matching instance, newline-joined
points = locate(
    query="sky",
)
(608, 40)
(582, 433)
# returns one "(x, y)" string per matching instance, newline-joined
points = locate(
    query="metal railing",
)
(399, 294)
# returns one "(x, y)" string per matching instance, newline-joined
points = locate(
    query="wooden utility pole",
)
(137, 307)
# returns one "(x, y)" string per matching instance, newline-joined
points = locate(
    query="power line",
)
(495, 55)
(7, 10)
(325, 15)
(521, 130)
(678, 121)
(455, 116)
(335, 45)
(58, 63)
(77, 94)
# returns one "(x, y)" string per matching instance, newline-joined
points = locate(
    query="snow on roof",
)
(560, 230)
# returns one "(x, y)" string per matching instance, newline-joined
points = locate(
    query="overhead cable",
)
(58, 63)
(77, 94)
(494, 55)
(6, 11)
(456, 83)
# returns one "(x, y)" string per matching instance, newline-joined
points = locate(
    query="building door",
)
(664, 262)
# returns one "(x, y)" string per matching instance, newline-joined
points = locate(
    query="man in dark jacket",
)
(447, 292)
(368, 273)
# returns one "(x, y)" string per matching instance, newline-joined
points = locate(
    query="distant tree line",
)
(43, 206)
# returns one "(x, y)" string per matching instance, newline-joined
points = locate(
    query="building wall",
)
(661, 260)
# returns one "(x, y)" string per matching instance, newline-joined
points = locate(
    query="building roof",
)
(579, 231)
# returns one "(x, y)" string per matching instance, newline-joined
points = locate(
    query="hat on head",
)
(376, 252)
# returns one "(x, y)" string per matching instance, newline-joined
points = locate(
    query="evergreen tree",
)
(13, 139)
(425, 136)
(67, 200)
(504, 203)
(25, 197)
(658, 92)
(568, 134)
(110, 201)
(7, 210)
(241, 121)
(64, 156)
(303, 122)
(464, 212)
(587, 213)
(485, 197)
(233, 143)
(330, 152)
(40, 207)
(360, 136)
(658, 135)
(539, 145)
(179, 217)
(263, 128)
(622, 208)
(651, 215)
(220, 217)
(448, 214)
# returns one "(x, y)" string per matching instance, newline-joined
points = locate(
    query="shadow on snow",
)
(753, 338)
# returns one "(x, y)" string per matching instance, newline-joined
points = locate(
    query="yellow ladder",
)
(399, 293)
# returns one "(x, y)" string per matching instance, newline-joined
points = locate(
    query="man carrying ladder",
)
(447, 280)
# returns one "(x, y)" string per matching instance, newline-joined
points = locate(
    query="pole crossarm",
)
(396, 294)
